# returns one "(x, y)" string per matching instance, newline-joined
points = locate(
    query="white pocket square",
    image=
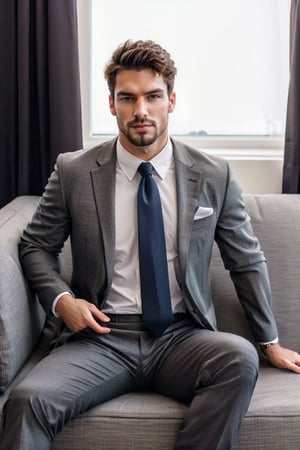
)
(203, 212)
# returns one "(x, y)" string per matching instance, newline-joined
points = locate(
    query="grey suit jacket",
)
(79, 202)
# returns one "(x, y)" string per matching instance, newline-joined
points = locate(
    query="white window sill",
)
(231, 148)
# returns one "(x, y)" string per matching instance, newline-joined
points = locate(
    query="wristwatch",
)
(264, 347)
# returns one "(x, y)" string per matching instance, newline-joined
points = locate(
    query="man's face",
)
(141, 105)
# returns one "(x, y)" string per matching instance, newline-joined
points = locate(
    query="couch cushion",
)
(143, 421)
(147, 421)
(21, 318)
(273, 418)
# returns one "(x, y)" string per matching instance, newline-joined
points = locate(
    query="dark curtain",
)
(291, 166)
(40, 112)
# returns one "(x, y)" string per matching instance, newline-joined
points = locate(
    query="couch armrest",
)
(21, 316)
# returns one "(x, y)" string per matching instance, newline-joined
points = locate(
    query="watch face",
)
(266, 346)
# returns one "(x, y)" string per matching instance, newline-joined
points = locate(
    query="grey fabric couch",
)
(145, 421)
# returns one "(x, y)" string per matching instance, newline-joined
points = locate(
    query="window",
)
(232, 60)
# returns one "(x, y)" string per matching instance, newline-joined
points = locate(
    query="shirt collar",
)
(130, 163)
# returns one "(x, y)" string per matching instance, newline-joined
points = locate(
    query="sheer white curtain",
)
(232, 59)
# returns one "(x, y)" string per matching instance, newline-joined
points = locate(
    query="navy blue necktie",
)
(155, 290)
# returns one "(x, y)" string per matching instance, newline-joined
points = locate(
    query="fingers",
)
(284, 358)
(293, 366)
(79, 314)
(94, 324)
(99, 314)
(295, 363)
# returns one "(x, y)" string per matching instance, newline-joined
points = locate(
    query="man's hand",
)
(79, 314)
(283, 358)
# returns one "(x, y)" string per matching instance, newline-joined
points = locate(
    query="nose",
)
(140, 110)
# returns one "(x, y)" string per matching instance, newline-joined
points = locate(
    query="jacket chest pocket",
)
(202, 235)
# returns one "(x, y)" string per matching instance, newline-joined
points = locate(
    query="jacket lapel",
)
(103, 181)
(188, 181)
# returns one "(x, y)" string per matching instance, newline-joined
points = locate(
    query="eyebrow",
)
(154, 91)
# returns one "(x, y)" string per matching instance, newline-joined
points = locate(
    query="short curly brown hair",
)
(139, 55)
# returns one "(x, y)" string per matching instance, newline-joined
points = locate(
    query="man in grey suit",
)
(107, 349)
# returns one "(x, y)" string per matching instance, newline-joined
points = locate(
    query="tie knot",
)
(145, 169)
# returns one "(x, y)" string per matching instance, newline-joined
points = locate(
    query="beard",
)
(142, 138)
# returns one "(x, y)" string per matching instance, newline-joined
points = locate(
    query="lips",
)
(141, 127)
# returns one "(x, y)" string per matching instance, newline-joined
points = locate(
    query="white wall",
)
(257, 163)
(258, 177)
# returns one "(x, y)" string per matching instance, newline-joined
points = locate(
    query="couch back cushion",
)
(275, 219)
(21, 317)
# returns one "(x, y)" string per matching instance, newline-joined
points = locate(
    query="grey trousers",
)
(215, 372)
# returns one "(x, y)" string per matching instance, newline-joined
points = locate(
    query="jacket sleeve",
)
(43, 239)
(243, 257)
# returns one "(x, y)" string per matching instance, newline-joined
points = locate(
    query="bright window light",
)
(232, 59)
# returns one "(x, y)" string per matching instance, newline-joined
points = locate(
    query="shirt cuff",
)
(275, 341)
(56, 300)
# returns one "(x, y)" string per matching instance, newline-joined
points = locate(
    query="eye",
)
(153, 97)
(126, 99)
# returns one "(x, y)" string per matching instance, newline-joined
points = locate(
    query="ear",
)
(112, 106)
(172, 102)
